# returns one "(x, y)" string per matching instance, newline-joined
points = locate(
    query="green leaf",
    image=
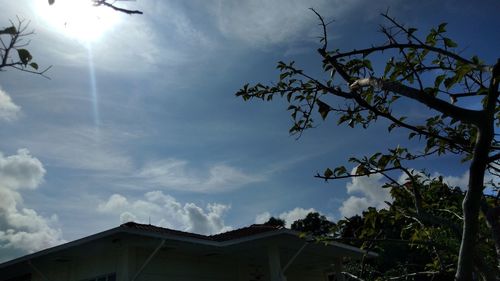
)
(368, 64)
(283, 75)
(442, 27)
(361, 170)
(439, 80)
(34, 65)
(449, 82)
(9, 30)
(431, 39)
(328, 173)
(382, 162)
(24, 56)
(449, 43)
(388, 67)
(340, 171)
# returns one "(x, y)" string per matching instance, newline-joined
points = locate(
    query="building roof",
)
(235, 237)
(221, 237)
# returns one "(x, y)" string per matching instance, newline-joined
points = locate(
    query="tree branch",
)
(415, 274)
(356, 175)
(399, 46)
(126, 11)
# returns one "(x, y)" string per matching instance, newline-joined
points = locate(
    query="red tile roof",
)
(251, 230)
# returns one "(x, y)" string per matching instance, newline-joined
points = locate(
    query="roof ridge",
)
(224, 236)
(160, 229)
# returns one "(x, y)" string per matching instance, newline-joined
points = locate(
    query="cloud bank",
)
(368, 193)
(164, 210)
(9, 111)
(288, 216)
(23, 230)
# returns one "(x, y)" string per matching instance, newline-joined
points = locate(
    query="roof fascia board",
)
(63, 246)
(174, 237)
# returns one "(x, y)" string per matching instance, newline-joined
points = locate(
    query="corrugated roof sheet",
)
(251, 230)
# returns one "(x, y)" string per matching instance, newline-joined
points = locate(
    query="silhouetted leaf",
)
(323, 109)
(449, 43)
(328, 173)
(24, 56)
(9, 30)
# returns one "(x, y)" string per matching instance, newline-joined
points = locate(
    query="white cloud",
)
(262, 22)
(116, 201)
(127, 217)
(177, 175)
(295, 214)
(461, 181)
(369, 194)
(9, 111)
(20, 170)
(262, 217)
(288, 216)
(23, 230)
(164, 210)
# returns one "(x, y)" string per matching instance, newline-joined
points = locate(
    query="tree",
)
(409, 248)
(275, 222)
(111, 5)
(313, 223)
(428, 71)
(13, 52)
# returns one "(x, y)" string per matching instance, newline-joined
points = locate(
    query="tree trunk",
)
(472, 203)
(470, 228)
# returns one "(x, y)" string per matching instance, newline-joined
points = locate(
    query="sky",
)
(139, 121)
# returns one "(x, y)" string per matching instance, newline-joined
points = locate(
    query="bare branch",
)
(112, 6)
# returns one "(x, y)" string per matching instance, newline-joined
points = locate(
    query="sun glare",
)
(77, 19)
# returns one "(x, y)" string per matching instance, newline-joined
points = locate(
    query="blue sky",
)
(142, 123)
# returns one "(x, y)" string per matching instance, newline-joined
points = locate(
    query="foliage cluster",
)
(429, 72)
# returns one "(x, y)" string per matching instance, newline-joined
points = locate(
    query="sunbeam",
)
(94, 94)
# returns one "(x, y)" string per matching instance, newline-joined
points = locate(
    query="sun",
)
(77, 19)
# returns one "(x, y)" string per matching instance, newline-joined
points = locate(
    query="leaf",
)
(323, 109)
(430, 39)
(411, 30)
(439, 80)
(442, 27)
(362, 170)
(24, 56)
(328, 173)
(34, 65)
(449, 43)
(340, 171)
(284, 75)
(388, 67)
(382, 162)
(449, 82)
(9, 30)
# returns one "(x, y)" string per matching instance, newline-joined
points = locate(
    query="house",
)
(143, 252)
